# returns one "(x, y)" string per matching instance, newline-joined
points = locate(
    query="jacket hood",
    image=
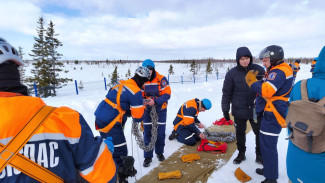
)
(243, 51)
(319, 71)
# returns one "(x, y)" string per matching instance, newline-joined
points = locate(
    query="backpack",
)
(306, 122)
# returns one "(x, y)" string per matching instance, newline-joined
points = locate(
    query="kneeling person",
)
(185, 123)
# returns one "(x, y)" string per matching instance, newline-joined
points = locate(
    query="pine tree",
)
(41, 66)
(209, 68)
(52, 45)
(81, 85)
(171, 70)
(114, 77)
(193, 67)
(128, 74)
(21, 68)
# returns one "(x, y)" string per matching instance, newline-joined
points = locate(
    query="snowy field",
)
(94, 92)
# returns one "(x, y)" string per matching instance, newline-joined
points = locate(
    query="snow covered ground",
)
(88, 99)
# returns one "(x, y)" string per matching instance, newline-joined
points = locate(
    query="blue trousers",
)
(147, 125)
(269, 134)
(120, 148)
(187, 135)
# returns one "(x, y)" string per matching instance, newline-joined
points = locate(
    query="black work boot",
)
(147, 162)
(173, 135)
(241, 157)
(122, 178)
(259, 159)
(160, 157)
(259, 171)
(269, 181)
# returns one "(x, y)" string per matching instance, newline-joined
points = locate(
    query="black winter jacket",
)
(236, 91)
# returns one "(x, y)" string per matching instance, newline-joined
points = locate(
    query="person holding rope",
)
(185, 123)
(122, 101)
(61, 149)
(157, 93)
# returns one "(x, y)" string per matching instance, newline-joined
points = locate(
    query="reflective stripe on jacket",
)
(62, 144)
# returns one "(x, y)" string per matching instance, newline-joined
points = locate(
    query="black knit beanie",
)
(10, 79)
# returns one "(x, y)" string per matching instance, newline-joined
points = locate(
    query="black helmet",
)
(274, 52)
(298, 61)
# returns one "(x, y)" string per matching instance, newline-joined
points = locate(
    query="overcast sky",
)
(167, 29)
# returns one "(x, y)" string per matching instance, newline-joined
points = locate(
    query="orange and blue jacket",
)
(313, 63)
(158, 89)
(64, 144)
(275, 88)
(131, 102)
(187, 116)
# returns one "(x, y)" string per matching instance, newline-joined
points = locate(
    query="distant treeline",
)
(179, 61)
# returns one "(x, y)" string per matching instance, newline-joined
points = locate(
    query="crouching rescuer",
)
(122, 101)
(40, 143)
(186, 122)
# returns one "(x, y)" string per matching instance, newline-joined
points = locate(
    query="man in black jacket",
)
(237, 92)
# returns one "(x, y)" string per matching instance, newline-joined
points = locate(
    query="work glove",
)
(170, 175)
(190, 157)
(242, 176)
(226, 115)
(251, 77)
(109, 142)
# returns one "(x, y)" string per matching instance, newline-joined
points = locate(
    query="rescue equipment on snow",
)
(190, 157)
(170, 175)
(223, 121)
(138, 135)
(212, 146)
(220, 136)
(242, 176)
(9, 153)
(306, 122)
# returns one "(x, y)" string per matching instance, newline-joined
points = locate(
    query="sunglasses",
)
(150, 67)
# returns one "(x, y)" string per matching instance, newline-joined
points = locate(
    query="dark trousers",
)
(241, 125)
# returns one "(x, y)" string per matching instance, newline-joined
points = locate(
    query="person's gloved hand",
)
(251, 77)
(109, 143)
(202, 136)
(200, 125)
(226, 116)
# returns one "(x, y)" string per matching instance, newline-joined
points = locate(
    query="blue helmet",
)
(315, 58)
(206, 103)
(149, 63)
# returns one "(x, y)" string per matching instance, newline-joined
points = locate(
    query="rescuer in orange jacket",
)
(122, 101)
(63, 144)
(157, 92)
(272, 105)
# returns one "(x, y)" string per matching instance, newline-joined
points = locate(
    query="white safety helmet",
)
(143, 72)
(8, 53)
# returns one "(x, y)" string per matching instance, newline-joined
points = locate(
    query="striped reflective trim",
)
(188, 117)
(275, 89)
(137, 106)
(90, 169)
(269, 134)
(46, 136)
(164, 87)
(161, 123)
(150, 84)
(129, 89)
(190, 136)
(288, 77)
(148, 123)
(119, 145)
